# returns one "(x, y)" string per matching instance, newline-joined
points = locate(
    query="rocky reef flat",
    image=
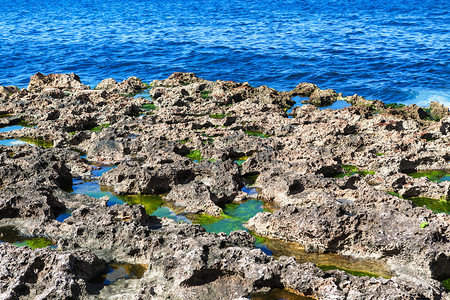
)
(186, 188)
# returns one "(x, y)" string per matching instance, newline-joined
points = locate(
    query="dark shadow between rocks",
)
(204, 276)
(184, 177)
(440, 267)
(155, 223)
(295, 188)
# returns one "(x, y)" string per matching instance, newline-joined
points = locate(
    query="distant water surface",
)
(396, 51)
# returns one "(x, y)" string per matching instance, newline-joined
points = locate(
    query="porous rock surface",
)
(295, 156)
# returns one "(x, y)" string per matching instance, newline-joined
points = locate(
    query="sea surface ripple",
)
(395, 51)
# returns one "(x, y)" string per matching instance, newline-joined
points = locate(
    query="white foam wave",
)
(425, 97)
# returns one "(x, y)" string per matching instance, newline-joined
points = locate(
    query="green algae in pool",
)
(195, 156)
(206, 94)
(25, 140)
(206, 219)
(165, 212)
(435, 205)
(218, 116)
(350, 170)
(151, 203)
(446, 284)
(352, 272)
(37, 142)
(436, 175)
(118, 271)
(331, 260)
(257, 133)
(82, 154)
(10, 234)
(149, 106)
(100, 127)
(278, 294)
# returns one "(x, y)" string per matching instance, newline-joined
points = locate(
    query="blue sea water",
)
(396, 51)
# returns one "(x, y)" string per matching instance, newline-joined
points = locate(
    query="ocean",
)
(395, 51)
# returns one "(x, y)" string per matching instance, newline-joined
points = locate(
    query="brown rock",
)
(65, 82)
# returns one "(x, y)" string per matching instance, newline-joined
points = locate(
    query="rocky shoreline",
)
(336, 181)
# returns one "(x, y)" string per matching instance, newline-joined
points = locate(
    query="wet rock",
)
(438, 111)
(65, 82)
(414, 112)
(375, 225)
(362, 106)
(54, 93)
(323, 97)
(194, 198)
(18, 201)
(222, 179)
(44, 273)
(177, 79)
(39, 166)
(296, 158)
(129, 86)
(445, 126)
(6, 91)
(305, 89)
(183, 89)
(132, 178)
(213, 270)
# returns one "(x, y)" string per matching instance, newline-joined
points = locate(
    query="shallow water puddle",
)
(339, 104)
(241, 160)
(30, 141)
(11, 142)
(298, 102)
(249, 181)
(437, 175)
(11, 128)
(93, 189)
(144, 94)
(118, 271)
(11, 235)
(326, 261)
(101, 170)
(235, 215)
(152, 203)
(63, 216)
